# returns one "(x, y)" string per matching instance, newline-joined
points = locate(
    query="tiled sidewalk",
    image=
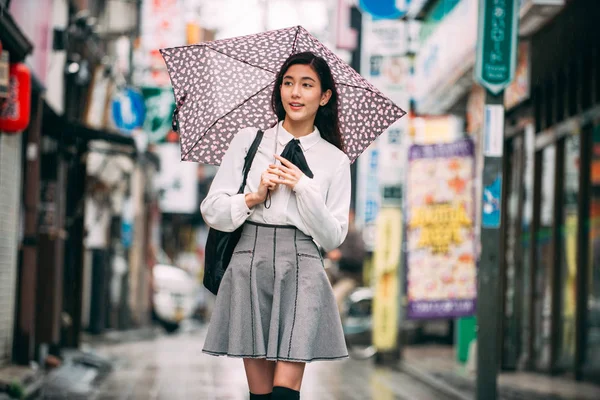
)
(438, 363)
(173, 367)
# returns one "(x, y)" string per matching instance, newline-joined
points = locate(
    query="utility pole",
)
(495, 69)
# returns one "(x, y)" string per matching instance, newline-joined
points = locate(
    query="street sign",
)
(160, 104)
(384, 9)
(497, 43)
(128, 110)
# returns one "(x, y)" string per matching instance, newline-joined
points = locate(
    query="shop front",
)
(551, 265)
(15, 98)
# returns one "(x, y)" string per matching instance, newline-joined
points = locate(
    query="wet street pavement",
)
(173, 367)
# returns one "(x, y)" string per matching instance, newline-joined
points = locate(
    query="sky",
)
(242, 17)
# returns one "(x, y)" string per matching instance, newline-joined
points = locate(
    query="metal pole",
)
(489, 266)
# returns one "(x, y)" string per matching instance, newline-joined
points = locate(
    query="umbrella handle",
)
(175, 118)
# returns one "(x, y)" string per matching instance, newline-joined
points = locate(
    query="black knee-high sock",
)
(283, 393)
(260, 396)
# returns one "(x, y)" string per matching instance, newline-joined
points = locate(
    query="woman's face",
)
(301, 93)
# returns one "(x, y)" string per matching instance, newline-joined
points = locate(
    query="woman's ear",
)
(325, 97)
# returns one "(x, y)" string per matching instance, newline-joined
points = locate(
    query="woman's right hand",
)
(267, 182)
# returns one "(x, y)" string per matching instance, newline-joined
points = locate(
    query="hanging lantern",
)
(15, 111)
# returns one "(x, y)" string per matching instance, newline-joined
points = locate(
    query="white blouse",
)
(318, 207)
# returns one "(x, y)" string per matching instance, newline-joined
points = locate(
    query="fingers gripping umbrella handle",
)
(175, 119)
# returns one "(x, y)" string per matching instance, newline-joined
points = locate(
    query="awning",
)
(12, 37)
(56, 125)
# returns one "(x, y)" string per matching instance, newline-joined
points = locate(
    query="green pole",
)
(495, 70)
(489, 264)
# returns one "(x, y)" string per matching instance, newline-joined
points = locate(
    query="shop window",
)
(593, 303)
(560, 98)
(544, 255)
(596, 73)
(586, 89)
(568, 260)
(526, 242)
(572, 82)
(513, 255)
(537, 97)
(549, 104)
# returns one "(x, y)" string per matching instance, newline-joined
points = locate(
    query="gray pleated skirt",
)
(275, 301)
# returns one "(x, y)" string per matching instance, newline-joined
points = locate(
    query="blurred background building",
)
(93, 195)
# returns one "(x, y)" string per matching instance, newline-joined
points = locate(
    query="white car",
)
(174, 297)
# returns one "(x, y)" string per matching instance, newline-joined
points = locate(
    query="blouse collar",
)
(306, 142)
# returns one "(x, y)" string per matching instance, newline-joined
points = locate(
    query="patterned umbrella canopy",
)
(225, 85)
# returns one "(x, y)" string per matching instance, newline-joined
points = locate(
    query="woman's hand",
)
(268, 181)
(287, 174)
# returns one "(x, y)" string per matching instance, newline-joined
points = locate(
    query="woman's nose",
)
(296, 91)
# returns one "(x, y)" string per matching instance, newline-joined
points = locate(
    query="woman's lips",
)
(296, 106)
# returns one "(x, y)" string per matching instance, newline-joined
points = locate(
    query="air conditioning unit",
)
(534, 14)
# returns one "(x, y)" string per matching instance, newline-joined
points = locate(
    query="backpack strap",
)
(249, 158)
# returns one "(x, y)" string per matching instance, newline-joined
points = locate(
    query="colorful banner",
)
(441, 273)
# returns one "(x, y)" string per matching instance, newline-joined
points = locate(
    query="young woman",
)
(275, 307)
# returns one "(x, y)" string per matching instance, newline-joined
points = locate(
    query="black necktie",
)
(293, 153)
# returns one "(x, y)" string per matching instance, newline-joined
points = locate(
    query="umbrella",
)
(225, 85)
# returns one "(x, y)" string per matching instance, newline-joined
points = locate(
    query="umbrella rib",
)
(242, 61)
(295, 40)
(223, 116)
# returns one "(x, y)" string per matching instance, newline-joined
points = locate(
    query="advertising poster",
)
(441, 273)
(386, 262)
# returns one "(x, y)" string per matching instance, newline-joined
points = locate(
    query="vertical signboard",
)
(387, 286)
(497, 43)
(441, 274)
(368, 197)
(160, 105)
(178, 181)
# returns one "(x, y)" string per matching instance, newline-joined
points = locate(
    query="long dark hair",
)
(327, 120)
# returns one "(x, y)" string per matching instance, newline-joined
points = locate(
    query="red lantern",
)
(16, 110)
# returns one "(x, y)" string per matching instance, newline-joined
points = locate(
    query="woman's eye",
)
(287, 83)
(307, 85)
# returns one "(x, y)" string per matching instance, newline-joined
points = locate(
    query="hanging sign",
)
(128, 110)
(15, 111)
(384, 9)
(160, 104)
(497, 43)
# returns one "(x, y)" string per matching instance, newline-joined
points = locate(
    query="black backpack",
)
(220, 245)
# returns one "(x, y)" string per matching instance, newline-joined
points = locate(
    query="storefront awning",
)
(56, 125)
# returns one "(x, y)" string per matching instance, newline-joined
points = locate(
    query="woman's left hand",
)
(287, 173)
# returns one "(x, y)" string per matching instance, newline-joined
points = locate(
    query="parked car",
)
(174, 297)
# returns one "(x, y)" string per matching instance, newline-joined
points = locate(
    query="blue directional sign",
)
(128, 110)
(384, 9)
